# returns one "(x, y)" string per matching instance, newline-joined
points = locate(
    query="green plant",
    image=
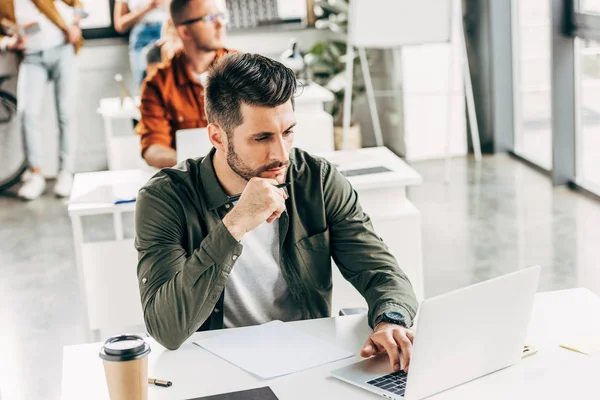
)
(327, 61)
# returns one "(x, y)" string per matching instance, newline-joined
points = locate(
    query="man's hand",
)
(73, 34)
(16, 43)
(260, 201)
(389, 337)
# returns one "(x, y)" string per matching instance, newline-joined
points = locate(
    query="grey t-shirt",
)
(256, 291)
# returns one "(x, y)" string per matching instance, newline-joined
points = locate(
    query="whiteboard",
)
(395, 23)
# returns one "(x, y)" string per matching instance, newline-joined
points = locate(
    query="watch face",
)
(394, 317)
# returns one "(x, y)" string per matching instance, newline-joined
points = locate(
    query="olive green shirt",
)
(185, 252)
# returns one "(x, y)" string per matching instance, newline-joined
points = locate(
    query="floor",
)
(490, 219)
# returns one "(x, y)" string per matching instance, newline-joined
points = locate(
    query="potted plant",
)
(327, 63)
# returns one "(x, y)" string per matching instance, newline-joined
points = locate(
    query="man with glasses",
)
(173, 97)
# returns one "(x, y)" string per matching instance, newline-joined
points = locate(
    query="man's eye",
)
(262, 139)
(288, 133)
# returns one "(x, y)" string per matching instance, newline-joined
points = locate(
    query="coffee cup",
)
(126, 367)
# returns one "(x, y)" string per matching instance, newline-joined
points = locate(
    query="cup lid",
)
(124, 348)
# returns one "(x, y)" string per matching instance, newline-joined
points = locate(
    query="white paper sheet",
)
(272, 349)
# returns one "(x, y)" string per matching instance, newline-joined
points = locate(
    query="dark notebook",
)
(263, 393)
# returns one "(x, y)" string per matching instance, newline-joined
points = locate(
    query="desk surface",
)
(553, 373)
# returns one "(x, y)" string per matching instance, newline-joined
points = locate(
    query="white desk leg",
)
(108, 135)
(78, 243)
(118, 225)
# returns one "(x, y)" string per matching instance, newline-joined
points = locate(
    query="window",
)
(532, 81)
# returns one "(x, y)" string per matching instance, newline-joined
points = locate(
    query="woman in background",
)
(145, 19)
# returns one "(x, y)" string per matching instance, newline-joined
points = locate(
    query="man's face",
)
(205, 35)
(260, 146)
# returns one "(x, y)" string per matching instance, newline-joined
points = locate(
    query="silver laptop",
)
(192, 143)
(461, 336)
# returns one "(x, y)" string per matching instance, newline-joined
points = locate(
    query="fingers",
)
(405, 343)
(369, 349)
(391, 348)
(410, 335)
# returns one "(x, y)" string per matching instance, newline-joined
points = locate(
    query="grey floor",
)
(491, 219)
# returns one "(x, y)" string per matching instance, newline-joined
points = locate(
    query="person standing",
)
(144, 19)
(48, 54)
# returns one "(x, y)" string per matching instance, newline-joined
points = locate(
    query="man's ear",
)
(182, 32)
(217, 136)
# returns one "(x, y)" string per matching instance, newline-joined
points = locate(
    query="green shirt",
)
(185, 252)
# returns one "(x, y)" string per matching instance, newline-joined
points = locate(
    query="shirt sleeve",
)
(361, 255)
(178, 290)
(154, 126)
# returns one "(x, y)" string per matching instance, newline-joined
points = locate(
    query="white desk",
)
(553, 373)
(313, 133)
(108, 303)
(394, 217)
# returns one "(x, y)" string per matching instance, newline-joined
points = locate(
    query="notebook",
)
(263, 393)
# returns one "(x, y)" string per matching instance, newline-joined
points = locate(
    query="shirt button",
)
(228, 206)
(235, 257)
(180, 118)
(144, 281)
(217, 310)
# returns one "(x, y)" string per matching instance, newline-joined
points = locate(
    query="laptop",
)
(461, 336)
(192, 143)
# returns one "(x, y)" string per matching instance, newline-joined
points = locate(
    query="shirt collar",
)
(215, 196)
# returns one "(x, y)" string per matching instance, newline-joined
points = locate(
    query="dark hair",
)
(251, 79)
(178, 10)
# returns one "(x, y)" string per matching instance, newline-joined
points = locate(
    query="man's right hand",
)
(16, 43)
(261, 201)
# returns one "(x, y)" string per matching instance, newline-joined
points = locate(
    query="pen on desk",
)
(158, 382)
(236, 197)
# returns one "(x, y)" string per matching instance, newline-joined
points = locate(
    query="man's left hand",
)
(393, 339)
(73, 34)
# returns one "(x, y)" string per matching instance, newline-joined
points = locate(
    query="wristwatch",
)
(393, 317)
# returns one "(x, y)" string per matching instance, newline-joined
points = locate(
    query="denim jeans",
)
(141, 35)
(58, 64)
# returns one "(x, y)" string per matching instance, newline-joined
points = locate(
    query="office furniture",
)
(407, 23)
(106, 269)
(553, 373)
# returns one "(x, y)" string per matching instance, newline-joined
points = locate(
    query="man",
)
(207, 262)
(173, 98)
(48, 53)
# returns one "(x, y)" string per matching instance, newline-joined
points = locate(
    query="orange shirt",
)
(171, 100)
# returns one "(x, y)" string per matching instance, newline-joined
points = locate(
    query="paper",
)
(585, 345)
(272, 349)
(109, 194)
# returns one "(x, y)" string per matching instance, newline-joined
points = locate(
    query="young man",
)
(48, 53)
(173, 98)
(208, 262)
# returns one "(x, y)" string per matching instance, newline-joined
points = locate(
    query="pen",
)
(236, 197)
(158, 382)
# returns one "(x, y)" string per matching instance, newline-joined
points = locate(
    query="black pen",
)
(236, 197)
(158, 382)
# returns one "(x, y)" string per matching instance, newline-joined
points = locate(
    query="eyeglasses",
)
(212, 17)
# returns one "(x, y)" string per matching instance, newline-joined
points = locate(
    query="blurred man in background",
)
(173, 98)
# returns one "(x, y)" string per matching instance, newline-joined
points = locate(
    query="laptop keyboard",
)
(394, 382)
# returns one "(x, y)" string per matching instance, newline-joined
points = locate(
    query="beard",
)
(204, 45)
(240, 167)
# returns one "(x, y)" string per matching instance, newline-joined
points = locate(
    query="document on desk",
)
(273, 349)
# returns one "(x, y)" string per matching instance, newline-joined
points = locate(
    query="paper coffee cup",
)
(126, 367)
